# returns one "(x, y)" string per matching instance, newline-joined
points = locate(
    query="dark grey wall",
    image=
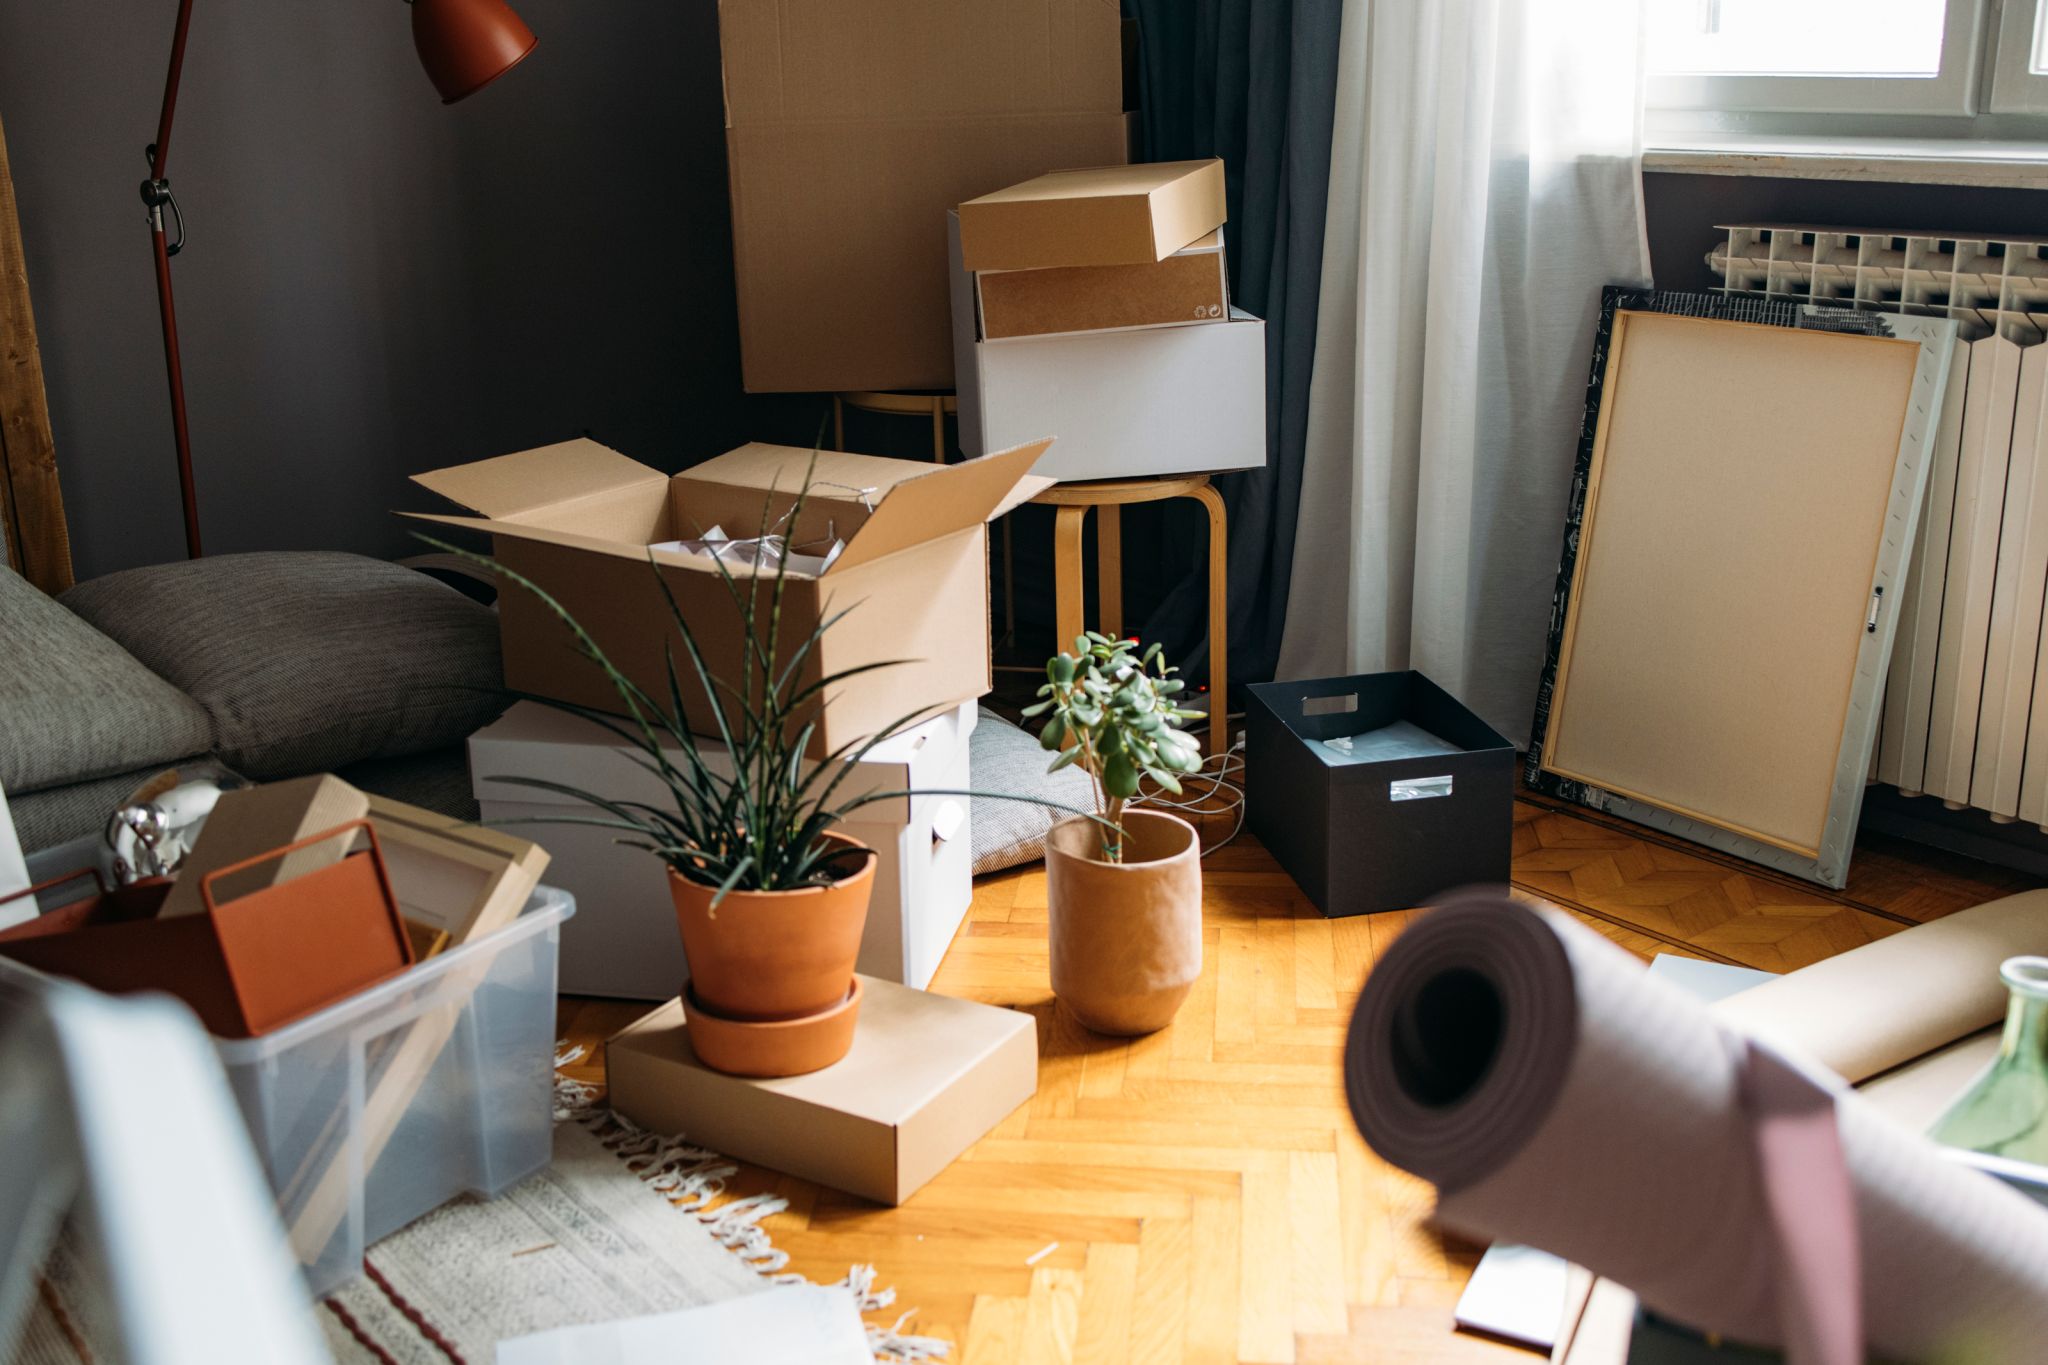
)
(375, 284)
(1682, 210)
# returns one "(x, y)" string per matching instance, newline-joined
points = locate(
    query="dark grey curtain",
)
(1254, 82)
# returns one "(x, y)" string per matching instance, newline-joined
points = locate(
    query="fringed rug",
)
(624, 1223)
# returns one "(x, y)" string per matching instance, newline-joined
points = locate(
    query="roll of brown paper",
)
(1890, 1002)
(1561, 1098)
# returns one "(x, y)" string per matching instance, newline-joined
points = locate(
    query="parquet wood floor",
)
(1201, 1195)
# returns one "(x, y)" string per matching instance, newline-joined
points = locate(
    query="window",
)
(1877, 57)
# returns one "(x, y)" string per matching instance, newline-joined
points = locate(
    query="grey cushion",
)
(308, 661)
(74, 705)
(57, 815)
(1007, 761)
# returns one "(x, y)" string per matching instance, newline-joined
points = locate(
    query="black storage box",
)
(1377, 792)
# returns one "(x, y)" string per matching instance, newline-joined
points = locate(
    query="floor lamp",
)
(464, 46)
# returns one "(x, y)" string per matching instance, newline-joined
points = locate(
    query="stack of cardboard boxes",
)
(1093, 305)
(927, 1075)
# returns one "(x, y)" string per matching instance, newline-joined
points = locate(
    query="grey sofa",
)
(273, 665)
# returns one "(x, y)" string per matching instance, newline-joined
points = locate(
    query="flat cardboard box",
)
(623, 940)
(1187, 287)
(1152, 400)
(1100, 215)
(578, 519)
(1378, 791)
(852, 128)
(927, 1078)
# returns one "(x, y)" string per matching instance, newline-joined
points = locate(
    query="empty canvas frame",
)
(1745, 499)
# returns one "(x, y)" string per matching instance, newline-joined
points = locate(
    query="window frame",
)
(2016, 88)
(1968, 30)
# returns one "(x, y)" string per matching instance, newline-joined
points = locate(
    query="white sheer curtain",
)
(1484, 183)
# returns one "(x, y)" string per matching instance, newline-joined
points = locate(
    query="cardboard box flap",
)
(940, 501)
(781, 468)
(512, 486)
(545, 535)
(1028, 487)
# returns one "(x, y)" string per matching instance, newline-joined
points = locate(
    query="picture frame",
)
(1824, 856)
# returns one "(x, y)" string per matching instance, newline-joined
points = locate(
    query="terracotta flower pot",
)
(1126, 937)
(776, 1047)
(770, 955)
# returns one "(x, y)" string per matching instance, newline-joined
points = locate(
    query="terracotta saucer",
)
(776, 1047)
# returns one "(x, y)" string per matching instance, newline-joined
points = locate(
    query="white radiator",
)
(1966, 705)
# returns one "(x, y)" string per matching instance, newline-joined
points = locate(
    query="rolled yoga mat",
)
(1560, 1098)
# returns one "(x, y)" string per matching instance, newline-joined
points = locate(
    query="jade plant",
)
(1112, 712)
(757, 820)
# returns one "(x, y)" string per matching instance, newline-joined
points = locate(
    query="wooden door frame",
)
(31, 500)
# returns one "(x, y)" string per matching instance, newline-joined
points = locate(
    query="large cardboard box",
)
(623, 942)
(1378, 791)
(1150, 400)
(578, 520)
(928, 1076)
(1097, 215)
(1187, 287)
(852, 128)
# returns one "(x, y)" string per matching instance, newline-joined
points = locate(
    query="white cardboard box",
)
(1120, 404)
(623, 940)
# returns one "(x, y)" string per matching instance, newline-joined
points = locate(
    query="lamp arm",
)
(156, 198)
(160, 150)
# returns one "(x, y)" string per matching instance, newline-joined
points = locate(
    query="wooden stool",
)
(1109, 498)
(937, 406)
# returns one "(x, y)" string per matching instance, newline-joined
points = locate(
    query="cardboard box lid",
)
(913, 502)
(534, 740)
(909, 1048)
(1096, 215)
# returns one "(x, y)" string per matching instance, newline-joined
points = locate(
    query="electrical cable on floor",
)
(1223, 794)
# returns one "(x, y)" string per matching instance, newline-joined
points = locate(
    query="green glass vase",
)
(2005, 1113)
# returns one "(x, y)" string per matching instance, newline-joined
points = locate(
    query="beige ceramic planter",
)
(1126, 937)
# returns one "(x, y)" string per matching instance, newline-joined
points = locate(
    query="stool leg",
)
(1219, 620)
(1067, 574)
(838, 423)
(1109, 568)
(938, 429)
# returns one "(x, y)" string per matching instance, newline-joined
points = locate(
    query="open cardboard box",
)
(578, 520)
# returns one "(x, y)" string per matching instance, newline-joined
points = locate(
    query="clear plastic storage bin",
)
(389, 1104)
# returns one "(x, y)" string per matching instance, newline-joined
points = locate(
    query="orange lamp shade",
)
(467, 44)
